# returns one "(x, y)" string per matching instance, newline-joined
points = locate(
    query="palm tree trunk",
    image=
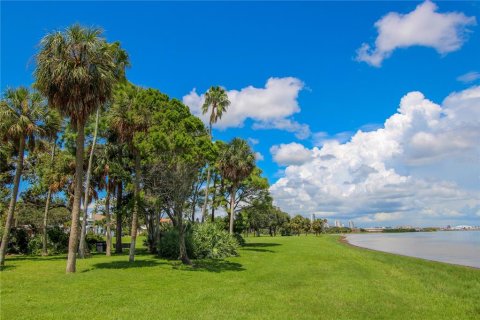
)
(77, 199)
(45, 215)
(136, 196)
(213, 197)
(107, 215)
(118, 232)
(232, 209)
(13, 201)
(83, 243)
(47, 205)
(205, 202)
(204, 208)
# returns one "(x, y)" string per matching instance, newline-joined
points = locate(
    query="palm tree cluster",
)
(90, 135)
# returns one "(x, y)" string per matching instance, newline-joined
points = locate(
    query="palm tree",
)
(23, 115)
(128, 117)
(236, 162)
(76, 71)
(53, 124)
(56, 179)
(120, 57)
(109, 170)
(217, 99)
(82, 246)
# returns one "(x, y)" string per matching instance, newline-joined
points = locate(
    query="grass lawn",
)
(274, 278)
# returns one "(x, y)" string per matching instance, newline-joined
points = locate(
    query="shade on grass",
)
(274, 278)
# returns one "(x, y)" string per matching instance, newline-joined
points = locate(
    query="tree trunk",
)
(205, 202)
(157, 232)
(136, 195)
(118, 232)
(232, 209)
(83, 243)
(183, 256)
(213, 197)
(194, 201)
(77, 199)
(13, 201)
(47, 205)
(108, 218)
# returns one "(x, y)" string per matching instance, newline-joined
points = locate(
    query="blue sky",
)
(177, 47)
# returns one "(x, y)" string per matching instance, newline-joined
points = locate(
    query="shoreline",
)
(343, 240)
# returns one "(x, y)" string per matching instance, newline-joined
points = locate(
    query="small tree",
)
(23, 117)
(236, 163)
(318, 226)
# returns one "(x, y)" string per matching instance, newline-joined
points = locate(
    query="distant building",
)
(351, 225)
(337, 223)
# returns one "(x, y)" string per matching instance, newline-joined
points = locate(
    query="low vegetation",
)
(303, 277)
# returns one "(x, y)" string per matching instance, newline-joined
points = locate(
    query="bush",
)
(285, 230)
(211, 242)
(168, 247)
(35, 245)
(58, 239)
(18, 241)
(92, 240)
(239, 238)
(203, 241)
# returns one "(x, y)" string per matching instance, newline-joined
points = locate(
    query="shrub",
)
(203, 241)
(211, 242)
(58, 239)
(35, 245)
(168, 247)
(239, 238)
(92, 240)
(18, 241)
(285, 230)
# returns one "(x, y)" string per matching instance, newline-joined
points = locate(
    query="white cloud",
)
(469, 77)
(259, 156)
(253, 141)
(290, 154)
(320, 138)
(271, 107)
(424, 26)
(421, 167)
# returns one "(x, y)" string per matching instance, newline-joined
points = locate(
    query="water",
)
(457, 247)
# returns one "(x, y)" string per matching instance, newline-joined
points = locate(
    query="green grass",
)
(274, 278)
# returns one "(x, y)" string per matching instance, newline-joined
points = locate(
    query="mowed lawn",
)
(273, 278)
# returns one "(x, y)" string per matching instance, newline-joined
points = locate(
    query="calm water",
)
(458, 247)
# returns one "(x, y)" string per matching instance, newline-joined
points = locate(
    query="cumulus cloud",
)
(424, 26)
(421, 167)
(271, 107)
(259, 156)
(320, 138)
(290, 154)
(469, 77)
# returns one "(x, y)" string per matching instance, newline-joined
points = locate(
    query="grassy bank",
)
(276, 278)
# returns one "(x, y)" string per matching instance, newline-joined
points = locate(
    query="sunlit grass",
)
(274, 278)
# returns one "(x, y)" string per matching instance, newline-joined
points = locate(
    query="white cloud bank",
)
(271, 107)
(424, 26)
(421, 167)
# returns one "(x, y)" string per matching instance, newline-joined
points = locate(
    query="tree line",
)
(84, 133)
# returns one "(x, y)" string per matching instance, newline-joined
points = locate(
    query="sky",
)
(362, 111)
